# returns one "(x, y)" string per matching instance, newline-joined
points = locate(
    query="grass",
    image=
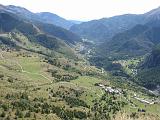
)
(92, 92)
(30, 81)
(86, 81)
(150, 109)
(32, 65)
(155, 108)
(130, 62)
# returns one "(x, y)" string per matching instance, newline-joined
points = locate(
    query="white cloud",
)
(86, 9)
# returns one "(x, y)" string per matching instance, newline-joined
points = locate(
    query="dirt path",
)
(50, 81)
(1, 55)
(23, 71)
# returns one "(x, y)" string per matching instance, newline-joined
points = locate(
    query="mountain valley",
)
(57, 69)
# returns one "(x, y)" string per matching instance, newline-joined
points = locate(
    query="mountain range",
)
(13, 29)
(130, 37)
(37, 19)
(104, 29)
(53, 68)
(48, 17)
(135, 41)
(17, 22)
(121, 36)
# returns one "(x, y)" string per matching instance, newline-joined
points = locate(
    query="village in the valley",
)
(119, 91)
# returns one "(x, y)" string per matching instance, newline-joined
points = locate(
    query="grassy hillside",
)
(38, 81)
(45, 74)
(33, 87)
(45, 81)
(68, 36)
(28, 36)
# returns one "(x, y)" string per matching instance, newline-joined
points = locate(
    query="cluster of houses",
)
(119, 91)
(134, 71)
(110, 89)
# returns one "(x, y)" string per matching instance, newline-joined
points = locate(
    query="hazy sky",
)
(86, 9)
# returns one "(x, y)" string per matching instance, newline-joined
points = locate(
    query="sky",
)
(84, 10)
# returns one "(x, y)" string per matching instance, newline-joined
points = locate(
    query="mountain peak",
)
(52, 18)
(19, 10)
(154, 14)
(2, 7)
(47, 13)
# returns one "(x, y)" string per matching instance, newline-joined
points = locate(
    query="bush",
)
(65, 77)
(1, 76)
(5, 107)
(28, 114)
(75, 102)
(3, 114)
(80, 114)
(19, 114)
(22, 104)
(10, 79)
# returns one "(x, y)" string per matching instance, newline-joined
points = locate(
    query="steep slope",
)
(153, 14)
(136, 41)
(54, 19)
(153, 60)
(68, 36)
(103, 29)
(9, 22)
(51, 29)
(153, 17)
(46, 17)
(13, 31)
(149, 73)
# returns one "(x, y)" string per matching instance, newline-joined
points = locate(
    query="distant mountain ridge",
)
(153, 14)
(104, 29)
(76, 21)
(25, 15)
(55, 19)
(46, 17)
(137, 40)
(17, 33)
